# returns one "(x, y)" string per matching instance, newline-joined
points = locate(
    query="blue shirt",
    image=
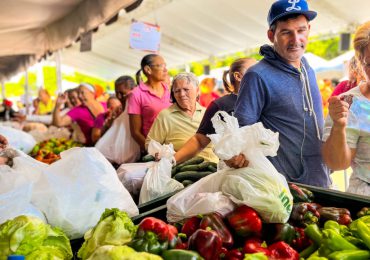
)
(288, 101)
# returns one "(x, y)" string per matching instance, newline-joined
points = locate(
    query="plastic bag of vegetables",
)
(259, 186)
(158, 181)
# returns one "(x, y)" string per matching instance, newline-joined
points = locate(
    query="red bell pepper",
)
(304, 213)
(340, 215)
(301, 241)
(245, 221)
(234, 254)
(215, 222)
(207, 243)
(254, 245)
(157, 226)
(300, 194)
(191, 225)
(282, 251)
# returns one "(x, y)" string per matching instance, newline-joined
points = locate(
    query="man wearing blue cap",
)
(281, 92)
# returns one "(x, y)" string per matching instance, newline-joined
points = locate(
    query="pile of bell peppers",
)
(313, 232)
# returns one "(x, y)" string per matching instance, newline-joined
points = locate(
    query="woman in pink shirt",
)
(84, 114)
(149, 98)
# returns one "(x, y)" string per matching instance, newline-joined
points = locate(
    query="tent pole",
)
(3, 90)
(26, 91)
(59, 71)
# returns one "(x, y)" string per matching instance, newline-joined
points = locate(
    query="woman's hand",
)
(338, 111)
(3, 142)
(61, 100)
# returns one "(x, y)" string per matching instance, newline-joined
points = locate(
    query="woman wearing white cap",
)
(84, 114)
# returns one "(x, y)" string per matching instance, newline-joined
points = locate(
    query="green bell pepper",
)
(353, 225)
(364, 232)
(308, 251)
(331, 224)
(147, 241)
(317, 258)
(314, 233)
(180, 254)
(255, 256)
(335, 241)
(350, 255)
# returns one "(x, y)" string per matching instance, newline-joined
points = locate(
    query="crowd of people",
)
(280, 91)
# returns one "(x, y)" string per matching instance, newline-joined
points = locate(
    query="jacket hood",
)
(271, 56)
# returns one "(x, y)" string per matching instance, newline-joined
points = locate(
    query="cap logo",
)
(293, 7)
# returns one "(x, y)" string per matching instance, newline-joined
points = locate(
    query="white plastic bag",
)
(132, 175)
(158, 181)
(74, 191)
(202, 197)
(15, 195)
(116, 144)
(18, 139)
(259, 186)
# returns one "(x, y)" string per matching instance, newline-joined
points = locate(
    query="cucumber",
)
(187, 182)
(204, 165)
(211, 168)
(173, 171)
(148, 158)
(188, 168)
(191, 175)
(193, 161)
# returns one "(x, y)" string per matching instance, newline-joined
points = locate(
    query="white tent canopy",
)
(191, 30)
(31, 28)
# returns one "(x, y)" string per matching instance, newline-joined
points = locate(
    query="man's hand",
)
(338, 111)
(3, 142)
(238, 161)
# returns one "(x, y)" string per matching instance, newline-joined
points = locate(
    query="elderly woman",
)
(226, 103)
(181, 120)
(346, 145)
(84, 114)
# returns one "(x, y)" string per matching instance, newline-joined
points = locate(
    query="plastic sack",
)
(74, 191)
(202, 197)
(15, 195)
(18, 139)
(158, 181)
(116, 144)
(132, 175)
(260, 185)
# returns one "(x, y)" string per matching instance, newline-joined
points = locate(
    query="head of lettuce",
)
(114, 228)
(31, 237)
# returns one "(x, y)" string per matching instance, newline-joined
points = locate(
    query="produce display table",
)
(326, 197)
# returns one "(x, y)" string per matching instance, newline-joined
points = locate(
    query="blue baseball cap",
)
(283, 8)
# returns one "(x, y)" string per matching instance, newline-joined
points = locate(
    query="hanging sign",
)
(145, 36)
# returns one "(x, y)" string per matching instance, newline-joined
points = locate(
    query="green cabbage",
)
(114, 228)
(25, 235)
(109, 252)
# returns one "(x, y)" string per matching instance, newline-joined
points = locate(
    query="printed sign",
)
(145, 36)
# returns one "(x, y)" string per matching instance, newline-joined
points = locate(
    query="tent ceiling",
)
(31, 28)
(198, 29)
(191, 30)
